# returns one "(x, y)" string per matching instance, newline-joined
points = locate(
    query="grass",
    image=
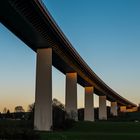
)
(97, 131)
(17, 130)
(104, 130)
(16, 124)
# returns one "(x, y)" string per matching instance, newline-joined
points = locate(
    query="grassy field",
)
(17, 130)
(23, 130)
(97, 131)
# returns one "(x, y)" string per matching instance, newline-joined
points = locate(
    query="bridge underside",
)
(33, 24)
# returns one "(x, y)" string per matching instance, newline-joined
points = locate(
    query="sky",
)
(105, 33)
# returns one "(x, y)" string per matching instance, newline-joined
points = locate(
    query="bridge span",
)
(30, 21)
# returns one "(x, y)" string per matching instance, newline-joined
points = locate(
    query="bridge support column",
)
(122, 108)
(71, 96)
(89, 106)
(114, 109)
(43, 96)
(102, 108)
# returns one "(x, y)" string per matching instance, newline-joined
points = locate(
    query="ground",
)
(97, 131)
(105, 130)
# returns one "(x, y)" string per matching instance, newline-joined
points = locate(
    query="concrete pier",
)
(43, 95)
(114, 109)
(89, 104)
(122, 108)
(71, 95)
(102, 108)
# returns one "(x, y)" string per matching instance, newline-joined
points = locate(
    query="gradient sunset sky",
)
(106, 33)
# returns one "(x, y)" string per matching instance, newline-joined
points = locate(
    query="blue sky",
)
(105, 33)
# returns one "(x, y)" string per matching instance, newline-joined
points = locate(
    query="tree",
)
(5, 110)
(8, 115)
(31, 107)
(8, 111)
(30, 115)
(58, 114)
(57, 103)
(19, 109)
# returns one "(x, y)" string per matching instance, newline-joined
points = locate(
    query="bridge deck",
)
(31, 22)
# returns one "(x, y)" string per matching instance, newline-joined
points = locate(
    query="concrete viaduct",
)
(32, 23)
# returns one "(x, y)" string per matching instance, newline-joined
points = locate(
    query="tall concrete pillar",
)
(122, 108)
(114, 109)
(134, 109)
(43, 96)
(71, 95)
(102, 108)
(89, 106)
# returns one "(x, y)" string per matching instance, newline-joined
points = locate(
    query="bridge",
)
(30, 21)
